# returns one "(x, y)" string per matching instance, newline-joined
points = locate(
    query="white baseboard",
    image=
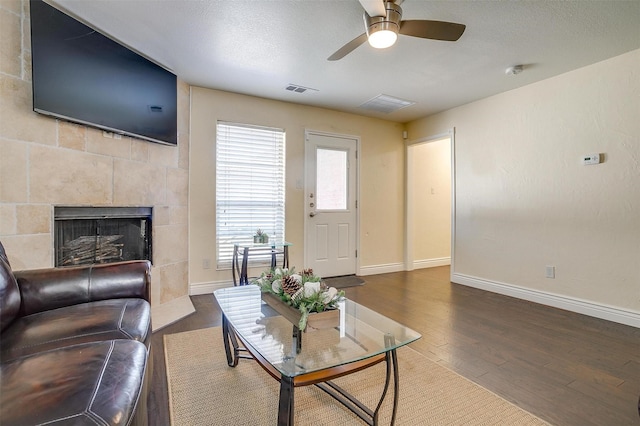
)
(431, 263)
(170, 312)
(381, 269)
(608, 313)
(208, 287)
(398, 267)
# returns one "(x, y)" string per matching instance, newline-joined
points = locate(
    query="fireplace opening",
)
(90, 235)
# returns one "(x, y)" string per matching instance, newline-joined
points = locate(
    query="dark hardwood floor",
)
(566, 368)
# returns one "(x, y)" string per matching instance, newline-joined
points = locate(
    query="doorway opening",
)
(430, 202)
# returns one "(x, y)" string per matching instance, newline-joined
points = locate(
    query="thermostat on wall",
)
(591, 159)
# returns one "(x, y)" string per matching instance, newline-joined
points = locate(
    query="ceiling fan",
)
(382, 21)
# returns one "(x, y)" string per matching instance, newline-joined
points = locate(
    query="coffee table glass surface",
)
(362, 333)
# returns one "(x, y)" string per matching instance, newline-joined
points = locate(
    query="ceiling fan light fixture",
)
(382, 31)
(382, 39)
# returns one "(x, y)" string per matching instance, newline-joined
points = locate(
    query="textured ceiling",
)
(260, 47)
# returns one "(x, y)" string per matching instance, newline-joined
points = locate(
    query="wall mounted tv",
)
(83, 76)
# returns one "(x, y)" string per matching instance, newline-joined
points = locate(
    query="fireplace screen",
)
(89, 235)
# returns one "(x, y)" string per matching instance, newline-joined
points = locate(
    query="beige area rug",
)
(203, 390)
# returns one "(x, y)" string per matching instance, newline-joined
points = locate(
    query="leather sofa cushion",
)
(9, 293)
(87, 384)
(86, 322)
(51, 288)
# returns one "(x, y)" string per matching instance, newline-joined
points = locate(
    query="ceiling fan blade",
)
(348, 48)
(435, 30)
(374, 7)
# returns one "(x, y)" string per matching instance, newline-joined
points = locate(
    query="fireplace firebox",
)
(90, 235)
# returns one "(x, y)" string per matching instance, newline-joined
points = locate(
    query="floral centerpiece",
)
(305, 291)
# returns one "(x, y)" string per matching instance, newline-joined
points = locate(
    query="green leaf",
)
(302, 324)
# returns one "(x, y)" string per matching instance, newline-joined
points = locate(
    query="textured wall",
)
(381, 175)
(46, 162)
(523, 198)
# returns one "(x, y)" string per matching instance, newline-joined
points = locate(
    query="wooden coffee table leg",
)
(285, 407)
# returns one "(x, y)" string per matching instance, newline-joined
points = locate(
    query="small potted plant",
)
(257, 239)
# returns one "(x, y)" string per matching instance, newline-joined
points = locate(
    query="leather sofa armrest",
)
(51, 288)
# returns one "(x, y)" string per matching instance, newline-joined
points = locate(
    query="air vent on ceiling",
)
(385, 104)
(298, 89)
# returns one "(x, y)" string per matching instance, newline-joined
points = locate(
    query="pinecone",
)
(290, 285)
(307, 272)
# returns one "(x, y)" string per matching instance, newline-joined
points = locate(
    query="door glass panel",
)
(331, 179)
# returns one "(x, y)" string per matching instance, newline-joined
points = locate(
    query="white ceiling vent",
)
(385, 104)
(298, 89)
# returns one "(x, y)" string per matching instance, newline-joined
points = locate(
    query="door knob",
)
(312, 214)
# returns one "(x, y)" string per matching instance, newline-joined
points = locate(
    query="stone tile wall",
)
(46, 162)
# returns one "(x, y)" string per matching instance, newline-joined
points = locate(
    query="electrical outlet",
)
(550, 271)
(206, 263)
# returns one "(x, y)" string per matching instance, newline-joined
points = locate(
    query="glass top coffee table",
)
(361, 338)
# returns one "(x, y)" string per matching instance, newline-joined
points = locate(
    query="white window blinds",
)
(249, 186)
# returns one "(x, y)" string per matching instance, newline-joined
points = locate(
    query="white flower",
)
(276, 286)
(329, 295)
(297, 277)
(311, 288)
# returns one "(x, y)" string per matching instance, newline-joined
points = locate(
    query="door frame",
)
(408, 231)
(306, 208)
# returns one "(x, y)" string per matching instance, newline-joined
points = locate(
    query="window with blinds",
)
(249, 187)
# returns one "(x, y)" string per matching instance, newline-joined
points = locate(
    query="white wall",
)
(524, 200)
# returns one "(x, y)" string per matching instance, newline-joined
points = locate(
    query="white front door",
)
(330, 204)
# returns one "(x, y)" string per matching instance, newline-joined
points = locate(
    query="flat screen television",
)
(80, 75)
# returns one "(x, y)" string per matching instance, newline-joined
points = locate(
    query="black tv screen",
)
(83, 76)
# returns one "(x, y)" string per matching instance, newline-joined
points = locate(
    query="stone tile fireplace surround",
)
(46, 162)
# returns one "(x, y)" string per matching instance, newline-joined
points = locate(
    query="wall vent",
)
(298, 89)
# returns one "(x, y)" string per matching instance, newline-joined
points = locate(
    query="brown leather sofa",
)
(74, 344)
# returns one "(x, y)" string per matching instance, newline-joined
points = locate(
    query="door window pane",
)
(331, 179)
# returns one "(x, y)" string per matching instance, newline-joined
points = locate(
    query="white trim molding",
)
(431, 263)
(208, 287)
(381, 269)
(609, 313)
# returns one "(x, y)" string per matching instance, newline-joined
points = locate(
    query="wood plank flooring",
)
(566, 368)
